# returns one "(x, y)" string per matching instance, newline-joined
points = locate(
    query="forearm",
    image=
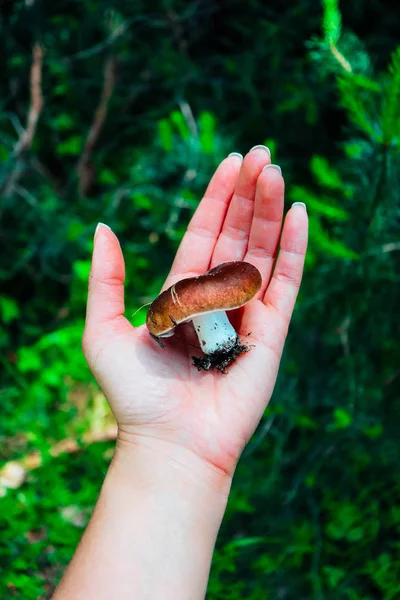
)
(153, 530)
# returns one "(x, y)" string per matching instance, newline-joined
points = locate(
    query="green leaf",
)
(29, 360)
(75, 229)
(9, 309)
(242, 504)
(354, 149)
(142, 201)
(306, 422)
(180, 123)
(63, 122)
(16, 61)
(72, 146)
(356, 534)
(248, 541)
(323, 205)
(330, 246)
(4, 153)
(324, 173)
(342, 418)
(327, 209)
(165, 134)
(334, 575)
(61, 89)
(82, 269)
(207, 124)
(272, 145)
(108, 177)
(374, 431)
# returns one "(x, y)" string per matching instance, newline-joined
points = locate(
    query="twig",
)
(389, 380)
(177, 31)
(392, 247)
(25, 140)
(18, 189)
(115, 34)
(70, 445)
(340, 58)
(343, 332)
(190, 120)
(85, 168)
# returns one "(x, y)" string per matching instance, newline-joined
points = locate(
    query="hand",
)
(181, 431)
(158, 397)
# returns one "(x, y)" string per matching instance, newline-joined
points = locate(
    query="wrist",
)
(160, 463)
(153, 531)
(170, 506)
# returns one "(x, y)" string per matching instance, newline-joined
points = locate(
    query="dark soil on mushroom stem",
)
(220, 360)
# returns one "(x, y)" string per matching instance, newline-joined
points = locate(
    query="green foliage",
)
(391, 102)
(325, 174)
(207, 132)
(332, 21)
(314, 510)
(9, 309)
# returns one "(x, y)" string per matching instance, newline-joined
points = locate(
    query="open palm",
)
(157, 394)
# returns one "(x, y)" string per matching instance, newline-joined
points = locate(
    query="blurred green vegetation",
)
(140, 104)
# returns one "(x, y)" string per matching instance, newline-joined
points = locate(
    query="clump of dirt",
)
(220, 360)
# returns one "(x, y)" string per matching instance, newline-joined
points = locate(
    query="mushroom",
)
(204, 300)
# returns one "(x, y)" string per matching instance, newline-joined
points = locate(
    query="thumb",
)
(106, 281)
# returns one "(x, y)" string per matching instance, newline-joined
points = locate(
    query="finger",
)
(195, 251)
(232, 242)
(267, 223)
(107, 275)
(282, 291)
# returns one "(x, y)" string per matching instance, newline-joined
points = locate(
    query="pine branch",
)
(352, 100)
(332, 25)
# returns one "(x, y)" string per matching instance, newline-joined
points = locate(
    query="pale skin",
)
(180, 431)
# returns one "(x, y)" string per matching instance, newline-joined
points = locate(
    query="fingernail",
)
(235, 154)
(100, 225)
(261, 147)
(299, 204)
(277, 167)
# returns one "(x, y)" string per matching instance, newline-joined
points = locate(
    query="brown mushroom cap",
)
(225, 287)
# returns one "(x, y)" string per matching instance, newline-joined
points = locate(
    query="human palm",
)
(157, 394)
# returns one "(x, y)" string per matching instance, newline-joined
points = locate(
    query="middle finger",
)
(233, 239)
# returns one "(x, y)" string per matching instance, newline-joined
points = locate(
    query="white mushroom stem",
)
(215, 332)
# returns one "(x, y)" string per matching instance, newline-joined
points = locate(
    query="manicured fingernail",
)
(299, 204)
(100, 225)
(235, 154)
(260, 147)
(277, 167)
